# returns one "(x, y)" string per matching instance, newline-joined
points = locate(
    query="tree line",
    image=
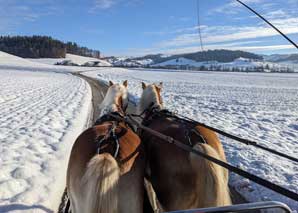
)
(221, 55)
(42, 47)
(209, 55)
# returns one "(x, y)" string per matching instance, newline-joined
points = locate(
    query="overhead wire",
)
(269, 23)
(199, 25)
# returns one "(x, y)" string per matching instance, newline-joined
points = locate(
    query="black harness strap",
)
(236, 138)
(106, 138)
(228, 135)
(67, 208)
(113, 116)
(155, 112)
(232, 168)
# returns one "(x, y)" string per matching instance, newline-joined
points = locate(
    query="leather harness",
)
(191, 134)
(115, 132)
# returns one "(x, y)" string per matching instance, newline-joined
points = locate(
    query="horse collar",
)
(112, 116)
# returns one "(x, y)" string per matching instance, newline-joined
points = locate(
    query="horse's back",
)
(174, 172)
(170, 168)
(130, 161)
(212, 139)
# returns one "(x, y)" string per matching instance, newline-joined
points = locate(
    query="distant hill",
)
(221, 55)
(212, 60)
(282, 58)
(210, 55)
(42, 47)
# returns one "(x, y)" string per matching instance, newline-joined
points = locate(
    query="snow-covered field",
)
(42, 110)
(242, 64)
(80, 60)
(41, 114)
(257, 106)
(11, 62)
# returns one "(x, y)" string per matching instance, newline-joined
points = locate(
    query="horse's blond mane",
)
(110, 102)
(150, 95)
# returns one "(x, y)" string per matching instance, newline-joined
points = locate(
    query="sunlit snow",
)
(256, 106)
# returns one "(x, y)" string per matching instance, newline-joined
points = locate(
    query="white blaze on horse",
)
(106, 168)
(180, 179)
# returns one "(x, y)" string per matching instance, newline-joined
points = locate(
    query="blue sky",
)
(138, 27)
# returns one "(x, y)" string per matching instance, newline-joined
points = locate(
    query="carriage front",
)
(271, 206)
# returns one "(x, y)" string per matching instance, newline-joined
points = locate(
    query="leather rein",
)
(153, 112)
(167, 139)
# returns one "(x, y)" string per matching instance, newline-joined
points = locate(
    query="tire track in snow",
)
(37, 105)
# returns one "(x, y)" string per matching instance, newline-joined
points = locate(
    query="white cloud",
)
(229, 37)
(234, 7)
(108, 4)
(217, 34)
(244, 48)
(17, 12)
(176, 31)
(234, 46)
(104, 4)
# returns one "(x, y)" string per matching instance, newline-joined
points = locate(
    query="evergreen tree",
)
(42, 47)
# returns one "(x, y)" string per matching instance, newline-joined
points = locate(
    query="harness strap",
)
(67, 208)
(231, 136)
(254, 178)
(109, 117)
(110, 135)
(115, 118)
(155, 111)
(115, 137)
(241, 140)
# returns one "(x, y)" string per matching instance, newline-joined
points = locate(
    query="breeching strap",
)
(232, 168)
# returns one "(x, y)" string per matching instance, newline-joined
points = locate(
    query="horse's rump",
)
(211, 181)
(183, 180)
(95, 179)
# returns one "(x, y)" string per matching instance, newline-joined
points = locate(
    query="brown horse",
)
(181, 180)
(103, 177)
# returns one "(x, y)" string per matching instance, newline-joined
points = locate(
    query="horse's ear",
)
(125, 83)
(160, 85)
(144, 85)
(111, 83)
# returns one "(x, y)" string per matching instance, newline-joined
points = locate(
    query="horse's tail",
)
(101, 185)
(211, 182)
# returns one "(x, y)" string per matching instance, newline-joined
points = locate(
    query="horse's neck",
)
(107, 109)
(149, 100)
(108, 105)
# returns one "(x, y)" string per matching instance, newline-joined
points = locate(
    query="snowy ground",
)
(11, 62)
(261, 107)
(41, 114)
(80, 60)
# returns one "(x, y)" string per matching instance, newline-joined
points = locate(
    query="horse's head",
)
(116, 99)
(151, 97)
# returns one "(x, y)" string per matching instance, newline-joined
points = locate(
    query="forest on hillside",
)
(209, 55)
(221, 55)
(42, 47)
